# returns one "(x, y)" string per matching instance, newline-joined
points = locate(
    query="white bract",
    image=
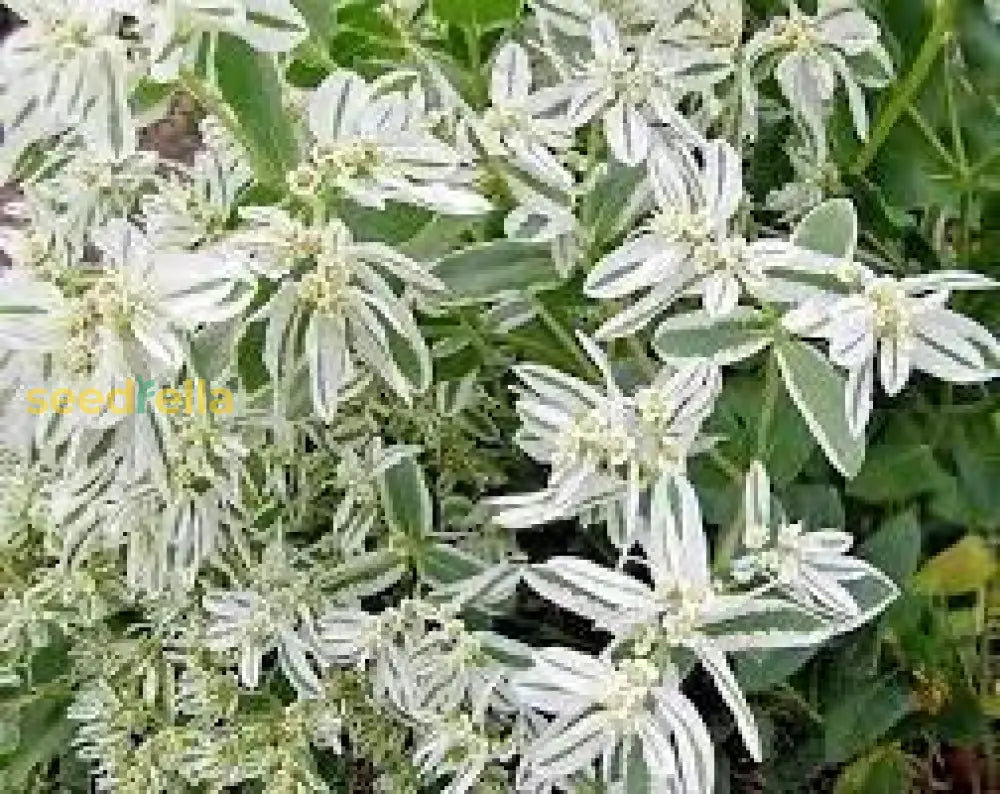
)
(603, 446)
(67, 68)
(690, 244)
(335, 288)
(606, 711)
(897, 325)
(193, 207)
(814, 51)
(177, 29)
(131, 315)
(685, 608)
(632, 88)
(525, 125)
(811, 567)
(372, 141)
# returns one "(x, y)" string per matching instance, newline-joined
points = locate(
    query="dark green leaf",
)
(897, 473)
(895, 548)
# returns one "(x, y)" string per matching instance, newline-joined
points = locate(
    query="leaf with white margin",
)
(741, 334)
(612, 600)
(725, 682)
(830, 228)
(818, 392)
(406, 499)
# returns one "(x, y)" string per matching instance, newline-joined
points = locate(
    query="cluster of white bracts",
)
(125, 266)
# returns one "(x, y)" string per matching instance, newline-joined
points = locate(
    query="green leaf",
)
(406, 500)
(736, 419)
(481, 272)
(320, 16)
(610, 209)
(696, 335)
(479, 14)
(883, 770)
(45, 732)
(895, 548)
(897, 473)
(443, 564)
(964, 568)
(817, 506)
(251, 87)
(818, 392)
(762, 669)
(831, 228)
(860, 720)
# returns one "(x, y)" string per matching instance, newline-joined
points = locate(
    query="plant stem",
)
(767, 407)
(565, 338)
(907, 89)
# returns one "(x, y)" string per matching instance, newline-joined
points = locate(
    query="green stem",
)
(771, 380)
(476, 63)
(565, 338)
(907, 89)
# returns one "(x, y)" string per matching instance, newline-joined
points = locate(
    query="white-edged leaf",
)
(818, 392)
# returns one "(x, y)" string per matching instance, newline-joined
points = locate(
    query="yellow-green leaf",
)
(963, 568)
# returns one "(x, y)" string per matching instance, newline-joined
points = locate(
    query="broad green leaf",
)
(619, 196)
(895, 548)
(480, 14)
(831, 228)
(250, 85)
(964, 568)
(817, 506)
(737, 336)
(817, 390)
(45, 732)
(897, 473)
(883, 770)
(861, 719)
(759, 670)
(736, 418)
(406, 500)
(481, 272)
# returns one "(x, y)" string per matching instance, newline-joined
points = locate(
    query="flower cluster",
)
(323, 567)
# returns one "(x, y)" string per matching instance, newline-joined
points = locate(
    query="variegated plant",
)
(379, 254)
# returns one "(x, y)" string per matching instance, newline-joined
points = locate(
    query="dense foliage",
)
(567, 395)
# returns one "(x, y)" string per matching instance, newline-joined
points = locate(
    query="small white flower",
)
(902, 324)
(66, 68)
(605, 710)
(840, 41)
(523, 124)
(632, 88)
(688, 245)
(372, 141)
(811, 567)
(604, 446)
(194, 206)
(335, 288)
(270, 616)
(138, 308)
